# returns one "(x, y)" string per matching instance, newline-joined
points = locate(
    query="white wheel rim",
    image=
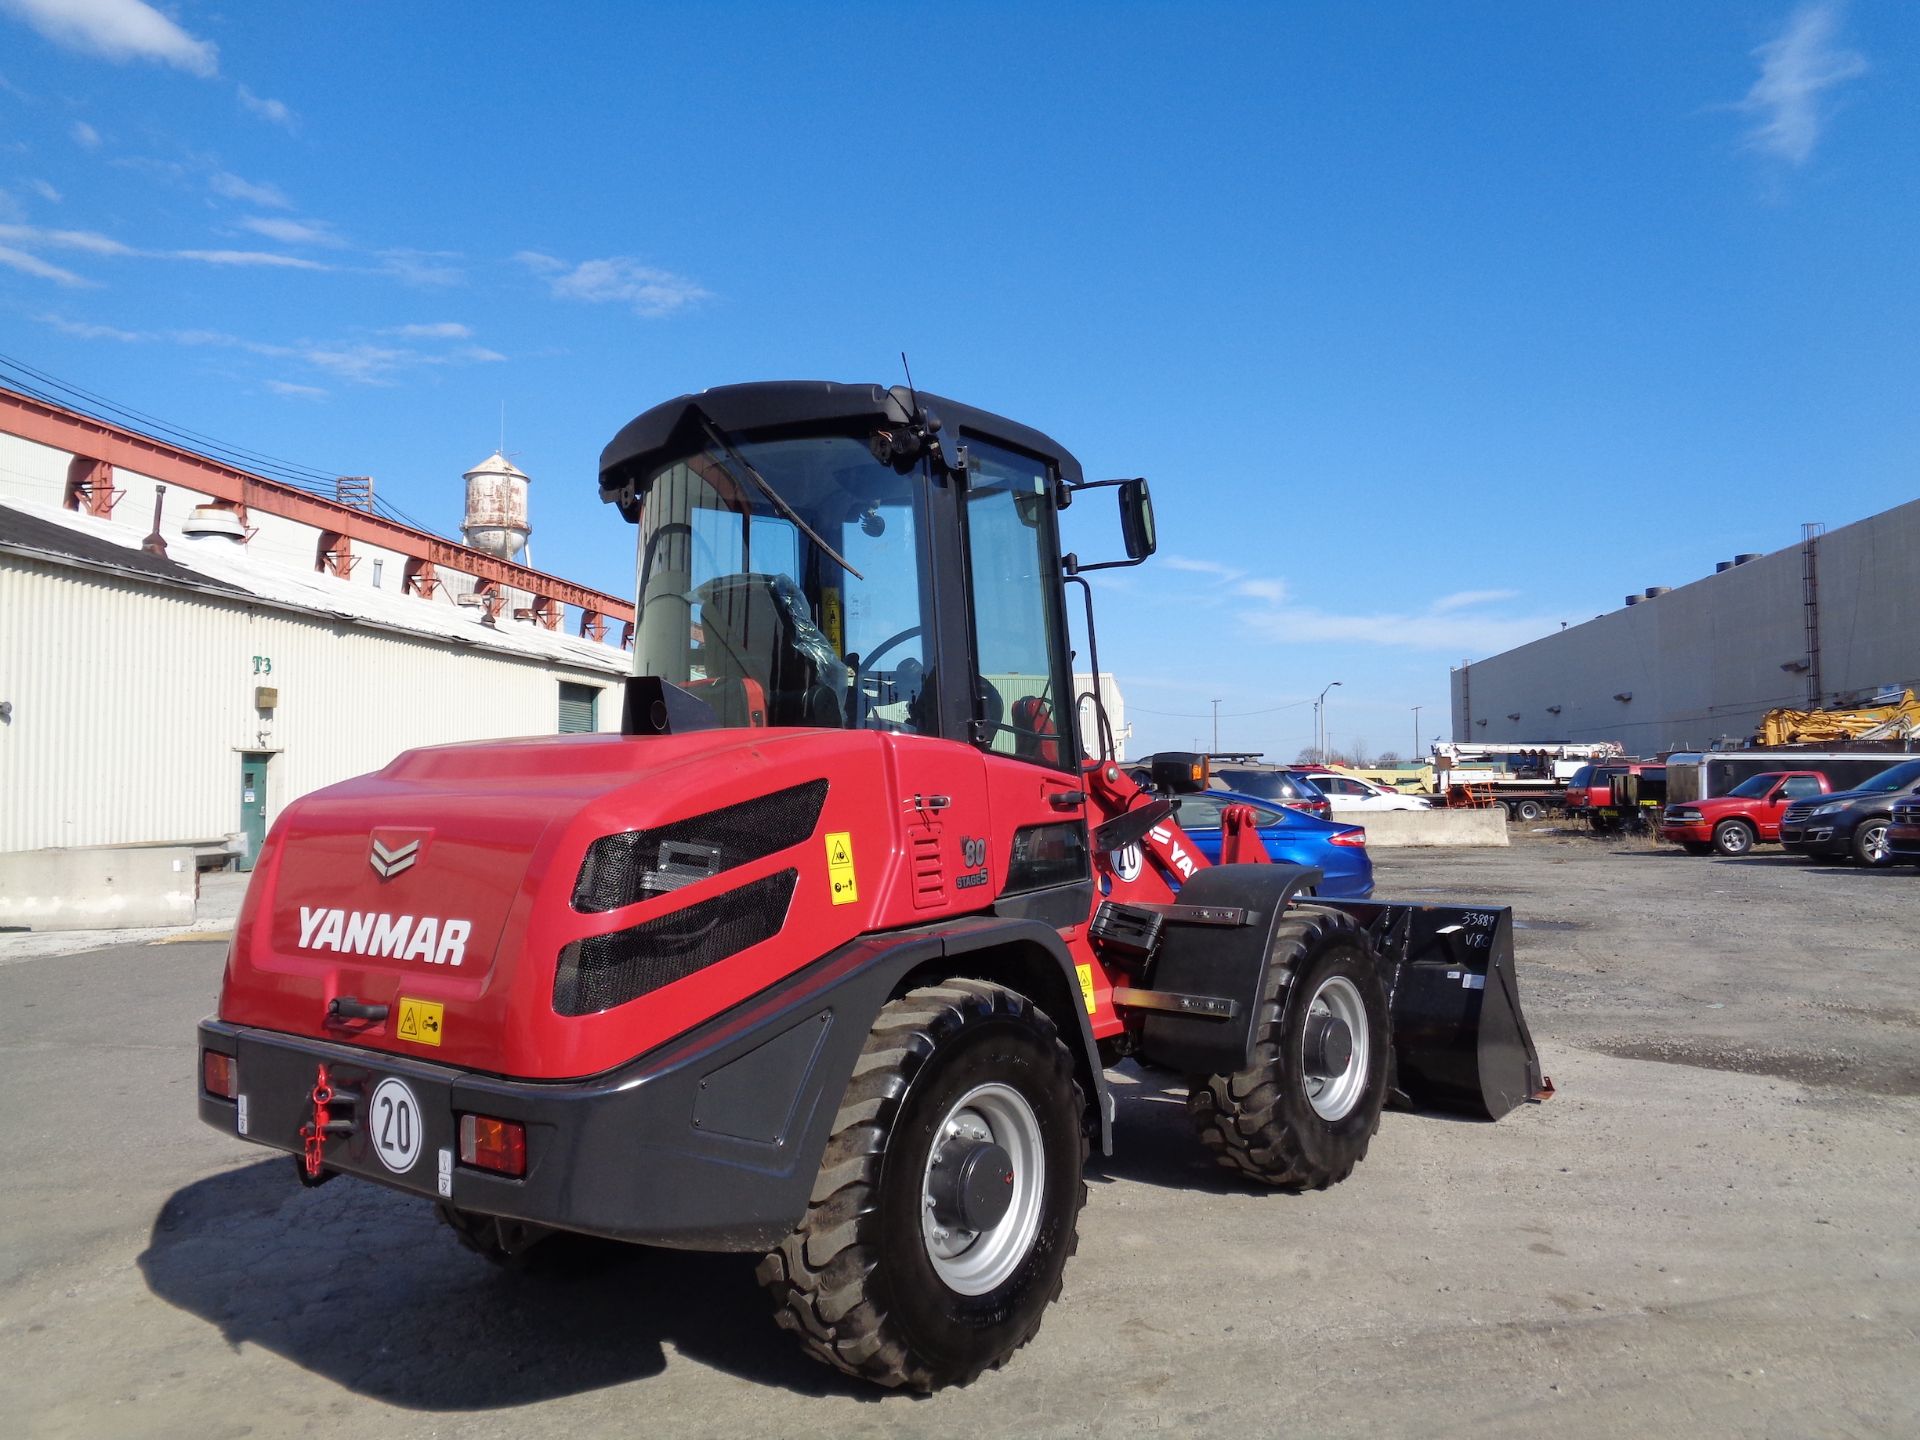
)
(1334, 1097)
(973, 1262)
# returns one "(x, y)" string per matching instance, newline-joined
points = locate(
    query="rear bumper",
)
(696, 1150)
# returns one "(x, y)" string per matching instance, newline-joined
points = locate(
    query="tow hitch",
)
(312, 1163)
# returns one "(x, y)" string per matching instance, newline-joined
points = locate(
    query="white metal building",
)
(185, 689)
(1828, 622)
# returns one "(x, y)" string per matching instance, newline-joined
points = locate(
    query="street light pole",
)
(1320, 712)
(1216, 727)
(1415, 757)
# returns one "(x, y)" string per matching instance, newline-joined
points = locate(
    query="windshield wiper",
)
(713, 434)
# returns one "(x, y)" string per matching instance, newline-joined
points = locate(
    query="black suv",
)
(1854, 822)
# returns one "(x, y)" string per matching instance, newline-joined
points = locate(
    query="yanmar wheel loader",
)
(826, 954)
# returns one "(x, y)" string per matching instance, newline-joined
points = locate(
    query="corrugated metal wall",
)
(132, 705)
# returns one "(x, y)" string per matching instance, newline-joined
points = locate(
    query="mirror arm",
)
(1071, 564)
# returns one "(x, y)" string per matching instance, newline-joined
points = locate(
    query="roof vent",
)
(214, 522)
(1654, 592)
(1723, 567)
(1633, 599)
(1743, 559)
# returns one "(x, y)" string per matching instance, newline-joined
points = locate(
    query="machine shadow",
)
(367, 1288)
(1154, 1142)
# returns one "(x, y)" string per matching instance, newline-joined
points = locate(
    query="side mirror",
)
(1136, 519)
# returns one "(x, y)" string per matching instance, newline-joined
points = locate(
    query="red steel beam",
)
(84, 436)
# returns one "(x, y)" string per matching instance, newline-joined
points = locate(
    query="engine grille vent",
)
(637, 865)
(929, 871)
(603, 971)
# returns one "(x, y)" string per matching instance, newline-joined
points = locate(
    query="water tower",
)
(497, 507)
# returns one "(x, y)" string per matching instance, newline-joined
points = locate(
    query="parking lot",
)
(1711, 1231)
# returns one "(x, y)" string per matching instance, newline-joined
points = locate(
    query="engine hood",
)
(429, 909)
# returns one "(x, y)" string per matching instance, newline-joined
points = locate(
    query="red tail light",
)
(490, 1144)
(219, 1074)
(1355, 837)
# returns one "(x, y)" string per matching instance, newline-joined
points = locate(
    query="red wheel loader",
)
(825, 955)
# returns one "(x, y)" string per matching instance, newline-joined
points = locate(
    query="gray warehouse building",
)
(1832, 621)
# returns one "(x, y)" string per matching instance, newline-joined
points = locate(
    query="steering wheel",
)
(865, 668)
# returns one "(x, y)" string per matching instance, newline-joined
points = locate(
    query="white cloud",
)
(33, 265)
(441, 330)
(232, 187)
(421, 267)
(272, 110)
(478, 355)
(1796, 66)
(293, 232)
(87, 240)
(1462, 599)
(44, 191)
(84, 330)
(118, 30)
(296, 392)
(1200, 567)
(1451, 633)
(85, 136)
(248, 257)
(1272, 591)
(618, 280)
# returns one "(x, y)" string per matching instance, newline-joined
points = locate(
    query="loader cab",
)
(850, 557)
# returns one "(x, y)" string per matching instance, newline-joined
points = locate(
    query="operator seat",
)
(758, 628)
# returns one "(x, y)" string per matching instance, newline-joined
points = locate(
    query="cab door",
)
(1796, 787)
(1037, 854)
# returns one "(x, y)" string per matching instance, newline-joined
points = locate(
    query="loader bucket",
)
(1460, 1041)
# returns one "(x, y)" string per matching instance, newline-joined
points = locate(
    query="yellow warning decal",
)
(832, 617)
(1085, 972)
(840, 868)
(420, 1021)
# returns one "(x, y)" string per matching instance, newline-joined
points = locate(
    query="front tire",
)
(1870, 846)
(1302, 1114)
(1733, 837)
(948, 1196)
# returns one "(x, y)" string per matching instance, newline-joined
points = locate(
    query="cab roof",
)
(651, 437)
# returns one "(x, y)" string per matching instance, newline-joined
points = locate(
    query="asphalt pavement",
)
(1711, 1231)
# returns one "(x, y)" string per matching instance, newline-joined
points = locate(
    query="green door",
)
(253, 806)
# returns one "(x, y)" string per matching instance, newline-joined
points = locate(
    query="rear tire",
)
(1733, 837)
(878, 1279)
(1530, 810)
(1275, 1122)
(1870, 845)
(506, 1243)
(1602, 824)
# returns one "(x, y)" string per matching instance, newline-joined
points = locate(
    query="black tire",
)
(1869, 844)
(1530, 810)
(856, 1281)
(1261, 1122)
(506, 1243)
(1603, 824)
(1733, 837)
(1697, 847)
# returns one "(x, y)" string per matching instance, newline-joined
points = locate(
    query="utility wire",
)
(1208, 714)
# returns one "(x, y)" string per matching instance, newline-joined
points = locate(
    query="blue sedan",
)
(1339, 852)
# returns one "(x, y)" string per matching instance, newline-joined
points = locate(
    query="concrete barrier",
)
(119, 888)
(1389, 829)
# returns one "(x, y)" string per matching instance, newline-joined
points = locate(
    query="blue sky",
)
(1433, 326)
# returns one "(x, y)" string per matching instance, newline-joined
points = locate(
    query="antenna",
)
(910, 390)
(503, 427)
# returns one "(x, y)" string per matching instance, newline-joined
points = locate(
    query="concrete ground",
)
(1712, 1231)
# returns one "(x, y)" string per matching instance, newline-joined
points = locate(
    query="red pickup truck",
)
(1746, 815)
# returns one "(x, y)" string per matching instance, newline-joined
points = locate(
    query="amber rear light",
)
(219, 1074)
(487, 1143)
